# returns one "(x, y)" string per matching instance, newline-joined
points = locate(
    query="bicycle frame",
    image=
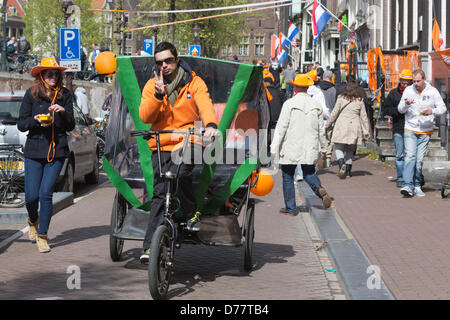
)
(168, 176)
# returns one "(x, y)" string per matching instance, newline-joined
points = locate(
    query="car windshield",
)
(9, 108)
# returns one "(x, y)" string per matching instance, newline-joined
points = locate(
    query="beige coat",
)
(299, 131)
(352, 124)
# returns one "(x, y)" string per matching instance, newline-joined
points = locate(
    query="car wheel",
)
(67, 184)
(92, 178)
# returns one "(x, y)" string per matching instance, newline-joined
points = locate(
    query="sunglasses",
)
(166, 61)
(52, 74)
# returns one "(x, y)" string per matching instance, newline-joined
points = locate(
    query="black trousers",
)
(185, 190)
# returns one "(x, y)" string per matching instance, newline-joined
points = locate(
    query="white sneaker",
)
(407, 192)
(418, 192)
(299, 178)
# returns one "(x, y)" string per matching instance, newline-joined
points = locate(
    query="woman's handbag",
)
(329, 130)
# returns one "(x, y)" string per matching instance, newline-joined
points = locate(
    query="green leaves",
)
(43, 17)
(214, 33)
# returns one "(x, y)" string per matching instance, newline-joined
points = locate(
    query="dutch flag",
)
(284, 41)
(320, 18)
(292, 31)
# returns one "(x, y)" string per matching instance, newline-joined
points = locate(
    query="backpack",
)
(10, 48)
(24, 46)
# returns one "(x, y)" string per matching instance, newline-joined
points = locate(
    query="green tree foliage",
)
(43, 17)
(214, 33)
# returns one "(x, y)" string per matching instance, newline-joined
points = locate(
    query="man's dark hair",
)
(290, 64)
(163, 46)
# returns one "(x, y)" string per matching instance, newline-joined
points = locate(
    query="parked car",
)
(83, 160)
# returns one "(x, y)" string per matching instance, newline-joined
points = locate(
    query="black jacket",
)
(39, 138)
(391, 109)
(275, 105)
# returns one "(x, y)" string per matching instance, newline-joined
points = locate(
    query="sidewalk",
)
(407, 238)
(286, 266)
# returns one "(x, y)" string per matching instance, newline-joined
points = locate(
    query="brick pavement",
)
(407, 238)
(286, 266)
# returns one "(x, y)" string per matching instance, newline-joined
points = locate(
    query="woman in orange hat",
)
(47, 114)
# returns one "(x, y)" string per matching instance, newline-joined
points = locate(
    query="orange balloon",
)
(263, 185)
(106, 62)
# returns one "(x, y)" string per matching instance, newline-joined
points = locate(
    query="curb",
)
(61, 200)
(352, 265)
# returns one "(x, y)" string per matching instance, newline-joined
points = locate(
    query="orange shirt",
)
(193, 104)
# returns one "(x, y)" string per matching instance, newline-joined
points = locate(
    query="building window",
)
(126, 17)
(227, 51)
(108, 32)
(129, 35)
(259, 45)
(259, 50)
(243, 47)
(108, 17)
(128, 50)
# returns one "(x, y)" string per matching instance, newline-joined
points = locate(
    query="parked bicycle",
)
(12, 176)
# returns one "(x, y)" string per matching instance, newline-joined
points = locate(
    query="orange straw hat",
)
(406, 74)
(46, 64)
(313, 75)
(302, 80)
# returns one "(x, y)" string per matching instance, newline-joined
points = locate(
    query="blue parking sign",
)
(70, 48)
(148, 46)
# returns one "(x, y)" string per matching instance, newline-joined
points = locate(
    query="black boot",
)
(342, 170)
(348, 170)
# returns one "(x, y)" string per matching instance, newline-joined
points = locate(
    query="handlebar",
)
(150, 133)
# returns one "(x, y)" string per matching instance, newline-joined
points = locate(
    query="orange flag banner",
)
(438, 43)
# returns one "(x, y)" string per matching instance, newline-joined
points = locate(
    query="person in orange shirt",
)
(173, 100)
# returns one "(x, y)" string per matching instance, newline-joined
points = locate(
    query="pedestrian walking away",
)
(398, 121)
(289, 74)
(47, 114)
(329, 93)
(350, 127)
(174, 99)
(298, 135)
(420, 103)
(275, 70)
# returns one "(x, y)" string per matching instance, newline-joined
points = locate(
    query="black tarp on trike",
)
(222, 188)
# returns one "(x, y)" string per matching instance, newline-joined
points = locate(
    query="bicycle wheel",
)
(159, 266)
(12, 179)
(249, 235)
(101, 151)
(118, 214)
(445, 190)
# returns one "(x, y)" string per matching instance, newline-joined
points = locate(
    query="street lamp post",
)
(4, 51)
(196, 30)
(65, 4)
(155, 36)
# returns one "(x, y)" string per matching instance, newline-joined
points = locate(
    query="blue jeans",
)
(40, 180)
(289, 90)
(415, 149)
(399, 155)
(309, 173)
